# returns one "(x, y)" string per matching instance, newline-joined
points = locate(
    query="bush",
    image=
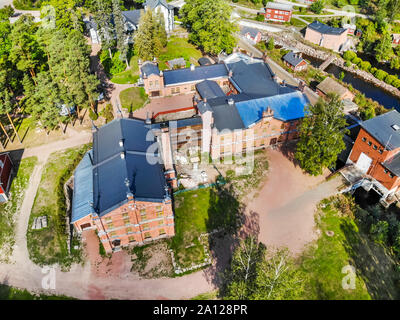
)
(365, 65)
(93, 115)
(373, 70)
(271, 44)
(356, 60)
(114, 65)
(380, 74)
(390, 79)
(107, 113)
(317, 7)
(379, 232)
(396, 83)
(347, 64)
(349, 55)
(260, 17)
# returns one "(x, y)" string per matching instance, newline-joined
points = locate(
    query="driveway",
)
(287, 201)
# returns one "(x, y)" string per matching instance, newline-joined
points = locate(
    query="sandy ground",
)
(286, 203)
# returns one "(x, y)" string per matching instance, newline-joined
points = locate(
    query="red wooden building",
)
(277, 12)
(6, 169)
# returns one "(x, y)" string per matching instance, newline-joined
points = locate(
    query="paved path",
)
(286, 203)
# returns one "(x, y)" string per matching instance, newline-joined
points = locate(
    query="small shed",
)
(295, 61)
(252, 34)
(176, 63)
(328, 85)
(204, 61)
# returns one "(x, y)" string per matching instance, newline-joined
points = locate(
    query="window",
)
(391, 175)
(126, 222)
(161, 232)
(144, 217)
(142, 211)
(113, 234)
(375, 147)
(161, 222)
(385, 170)
(1, 164)
(369, 143)
(110, 226)
(364, 139)
(147, 235)
(151, 83)
(131, 239)
(108, 219)
(380, 151)
(178, 90)
(125, 215)
(128, 230)
(146, 226)
(192, 88)
(156, 82)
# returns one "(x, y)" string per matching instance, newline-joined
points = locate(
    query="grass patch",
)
(133, 98)
(9, 209)
(297, 23)
(129, 76)
(179, 48)
(49, 245)
(11, 293)
(323, 261)
(201, 211)
(213, 295)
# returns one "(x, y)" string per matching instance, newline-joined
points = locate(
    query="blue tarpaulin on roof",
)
(286, 107)
(83, 189)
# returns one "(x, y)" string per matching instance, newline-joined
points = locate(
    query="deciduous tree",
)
(321, 135)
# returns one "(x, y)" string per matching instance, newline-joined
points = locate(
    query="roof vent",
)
(121, 143)
(192, 67)
(395, 127)
(122, 154)
(231, 101)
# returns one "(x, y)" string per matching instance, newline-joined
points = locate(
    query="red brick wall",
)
(376, 170)
(275, 14)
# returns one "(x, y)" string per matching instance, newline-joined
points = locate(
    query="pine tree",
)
(321, 135)
(145, 47)
(105, 27)
(122, 44)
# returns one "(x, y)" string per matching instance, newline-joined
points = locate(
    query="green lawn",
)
(49, 245)
(133, 98)
(323, 261)
(179, 48)
(201, 211)
(10, 293)
(10, 209)
(129, 76)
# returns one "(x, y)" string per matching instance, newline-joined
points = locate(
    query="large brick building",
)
(120, 186)
(279, 12)
(326, 36)
(376, 152)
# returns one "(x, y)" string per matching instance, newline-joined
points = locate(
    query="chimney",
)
(230, 74)
(231, 101)
(192, 67)
(121, 143)
(161, 73)
(283, 83)
(148, 120)
(122, 155)
(205, 100)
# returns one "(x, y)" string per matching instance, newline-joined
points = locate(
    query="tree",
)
(271, 44)
(148, 38)
(240, 277)
(278, 278)
(122, 44)
(25, 51)
(66, 14)
(393, 9)
(321, 135)
(349, 55)
(6, 12)
(103, 9)
(383, 50)
(317, 6)
(379, 231)
(210, 26)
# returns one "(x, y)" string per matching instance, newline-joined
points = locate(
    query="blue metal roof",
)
(198, 74)
(83, 189)
(286, 107)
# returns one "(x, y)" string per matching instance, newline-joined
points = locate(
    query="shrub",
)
(380, 74)
(271, 44)
(347, 64)
(349, 55)
(356, 60)
(379, 231)
(389, 79)
(365, 65)
(93, 115)
(396, 83)
(317, 7)
(260, 17)
(373, 70)
(107, 113)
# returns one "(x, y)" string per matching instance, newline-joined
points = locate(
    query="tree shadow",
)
(227, 214)
(289, 150)
(373, 264)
